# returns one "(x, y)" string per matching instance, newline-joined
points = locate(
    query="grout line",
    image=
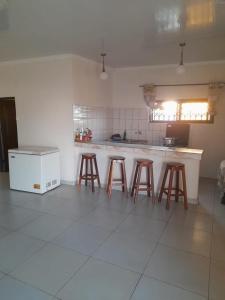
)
(112, 232)
(74, 274)
(211, 244)
(29, 284)
(176, 286)
(152, 253)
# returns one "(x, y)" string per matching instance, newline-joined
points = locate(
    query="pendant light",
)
(103, 75)
(181, 69)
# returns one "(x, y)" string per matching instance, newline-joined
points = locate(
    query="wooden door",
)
(8, 130)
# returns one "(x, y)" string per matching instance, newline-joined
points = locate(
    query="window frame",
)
(178, 113)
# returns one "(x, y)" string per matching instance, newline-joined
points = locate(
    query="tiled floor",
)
(74, 245)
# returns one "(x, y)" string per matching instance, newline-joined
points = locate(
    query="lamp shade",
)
(104, 75)
(180, 69)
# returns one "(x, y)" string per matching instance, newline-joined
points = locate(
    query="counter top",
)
(103, 144)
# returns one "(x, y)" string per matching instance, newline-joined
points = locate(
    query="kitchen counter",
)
(159, 154)
(105, 144)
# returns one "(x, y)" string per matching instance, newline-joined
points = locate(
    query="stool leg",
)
(148, 181)
(97, 173)
(109, 184)
(134, 181)
(184, 189)
(137, 183)
(124, 178)
(152, 184)
(169, 189)
(81, 172)
(163, 185)
(92, 176)
(177, 186)
(86, 171)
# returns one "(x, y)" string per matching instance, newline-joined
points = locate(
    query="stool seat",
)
(173, 170)
(88, 155)
(147, 186)
(117, 158)
(90, 162)
(175, 165)
(144, 162)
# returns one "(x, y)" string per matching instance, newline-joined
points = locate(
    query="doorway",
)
(8, 130)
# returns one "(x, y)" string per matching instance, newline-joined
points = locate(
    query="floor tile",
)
(11, 289)
(84, 195)
(127, 251)
(188, 239)
(217, 276)
(180, 268)
(46, 227)
(118, 202)
(50, 268)
(17, 218)
(219, 226)
(1, 275)
(161, 213)
(83, 237)
(15, 248)
(98, 280)
(42, 203)
(3, 232)
(219, 209)
(71, 208)
(151, 289)
(104, 218)
(17, 198)
(142, 227)
(218, 247)
(146, 208)
(190, 218)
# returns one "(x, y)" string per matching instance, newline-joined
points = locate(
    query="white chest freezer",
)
(34, 169)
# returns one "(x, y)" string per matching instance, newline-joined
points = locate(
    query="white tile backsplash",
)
(105, 121)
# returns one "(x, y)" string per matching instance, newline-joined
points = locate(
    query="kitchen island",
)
(159, 154)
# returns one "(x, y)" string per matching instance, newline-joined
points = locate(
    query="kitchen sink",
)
(130, 141)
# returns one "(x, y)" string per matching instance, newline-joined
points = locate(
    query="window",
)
(193, 111)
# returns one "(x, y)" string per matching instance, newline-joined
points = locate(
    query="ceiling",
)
(135, 32)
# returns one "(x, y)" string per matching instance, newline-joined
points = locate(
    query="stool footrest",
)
(89, 176)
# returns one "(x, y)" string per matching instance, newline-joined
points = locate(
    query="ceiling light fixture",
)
(103, 75)
(181, 69)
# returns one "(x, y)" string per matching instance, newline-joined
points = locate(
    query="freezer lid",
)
(34, 150)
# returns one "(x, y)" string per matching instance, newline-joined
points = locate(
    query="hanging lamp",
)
(103, 75)
(181, 69)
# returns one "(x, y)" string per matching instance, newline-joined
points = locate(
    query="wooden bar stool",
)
(174, 169)
(90, 161)
(149, 184)
(121, 181)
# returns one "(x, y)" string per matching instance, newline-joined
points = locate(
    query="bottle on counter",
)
(77, 135)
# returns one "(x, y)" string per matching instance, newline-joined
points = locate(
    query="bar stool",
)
(174, 169)
(89, 159)
(149, 184)
(121, 181)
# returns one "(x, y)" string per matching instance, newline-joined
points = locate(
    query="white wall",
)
(45, 90)
(88, 88)
(210, 137)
